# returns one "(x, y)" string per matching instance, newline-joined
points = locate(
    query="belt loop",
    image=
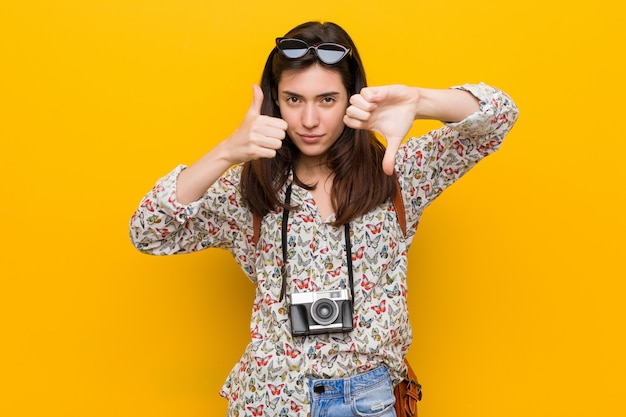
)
(346, 391)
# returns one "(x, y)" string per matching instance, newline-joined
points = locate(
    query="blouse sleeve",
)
(163, 226)
(429, 164)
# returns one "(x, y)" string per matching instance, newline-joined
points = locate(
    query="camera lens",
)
(324, 311)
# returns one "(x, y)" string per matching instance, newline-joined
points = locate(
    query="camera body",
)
(321, 312)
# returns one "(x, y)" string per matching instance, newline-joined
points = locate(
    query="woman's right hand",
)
(258, 136)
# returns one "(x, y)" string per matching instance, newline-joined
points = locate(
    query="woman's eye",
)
(292, 99)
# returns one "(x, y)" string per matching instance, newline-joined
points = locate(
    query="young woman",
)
(307, 200)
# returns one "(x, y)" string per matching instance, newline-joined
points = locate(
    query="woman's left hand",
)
(388, 110)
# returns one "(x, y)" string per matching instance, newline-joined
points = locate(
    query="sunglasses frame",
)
(306, 48)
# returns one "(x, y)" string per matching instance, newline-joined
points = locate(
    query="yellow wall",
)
(517, 274)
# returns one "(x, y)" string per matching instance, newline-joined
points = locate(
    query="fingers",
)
(355, 123)
(359, 113)
(266, 135)
(268, 131)
(260, 139)
(363, 105)
(375, 95)
(258, 136)
(361, 102)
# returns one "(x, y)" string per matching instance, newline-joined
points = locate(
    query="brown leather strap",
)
(398, 203)
(408, 392)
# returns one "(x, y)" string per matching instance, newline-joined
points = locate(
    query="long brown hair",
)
(359, 183)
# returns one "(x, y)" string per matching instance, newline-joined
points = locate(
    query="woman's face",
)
(313, 102)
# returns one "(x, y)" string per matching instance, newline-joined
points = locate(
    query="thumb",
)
(389, 160)
(257, 101)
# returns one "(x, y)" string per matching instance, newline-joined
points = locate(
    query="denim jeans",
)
(366, 394)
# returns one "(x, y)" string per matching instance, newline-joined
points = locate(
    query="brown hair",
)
(359, 184)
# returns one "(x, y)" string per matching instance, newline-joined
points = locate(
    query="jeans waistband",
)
(340, 387)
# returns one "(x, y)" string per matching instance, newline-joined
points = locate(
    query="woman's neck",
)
(319, 177)
(312, 171)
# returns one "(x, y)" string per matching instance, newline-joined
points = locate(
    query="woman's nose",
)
(310, 116)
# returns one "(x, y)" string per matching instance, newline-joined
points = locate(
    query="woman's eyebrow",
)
(326, 94)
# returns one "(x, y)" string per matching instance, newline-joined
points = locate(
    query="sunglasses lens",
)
(331, 53)
(328, 53)
(293, 48)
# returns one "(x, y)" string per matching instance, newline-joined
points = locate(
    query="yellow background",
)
(517, 272)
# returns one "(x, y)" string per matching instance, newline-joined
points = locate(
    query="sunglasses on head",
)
(327, 52)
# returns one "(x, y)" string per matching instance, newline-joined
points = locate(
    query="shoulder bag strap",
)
(398, 203)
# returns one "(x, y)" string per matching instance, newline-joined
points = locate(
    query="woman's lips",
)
(309, 138)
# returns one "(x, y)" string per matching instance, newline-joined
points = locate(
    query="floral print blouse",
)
(271, 378)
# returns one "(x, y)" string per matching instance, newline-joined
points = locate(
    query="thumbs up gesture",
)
(388, 110)
(258, 136)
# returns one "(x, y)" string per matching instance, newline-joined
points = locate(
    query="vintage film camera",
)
(321, 312)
